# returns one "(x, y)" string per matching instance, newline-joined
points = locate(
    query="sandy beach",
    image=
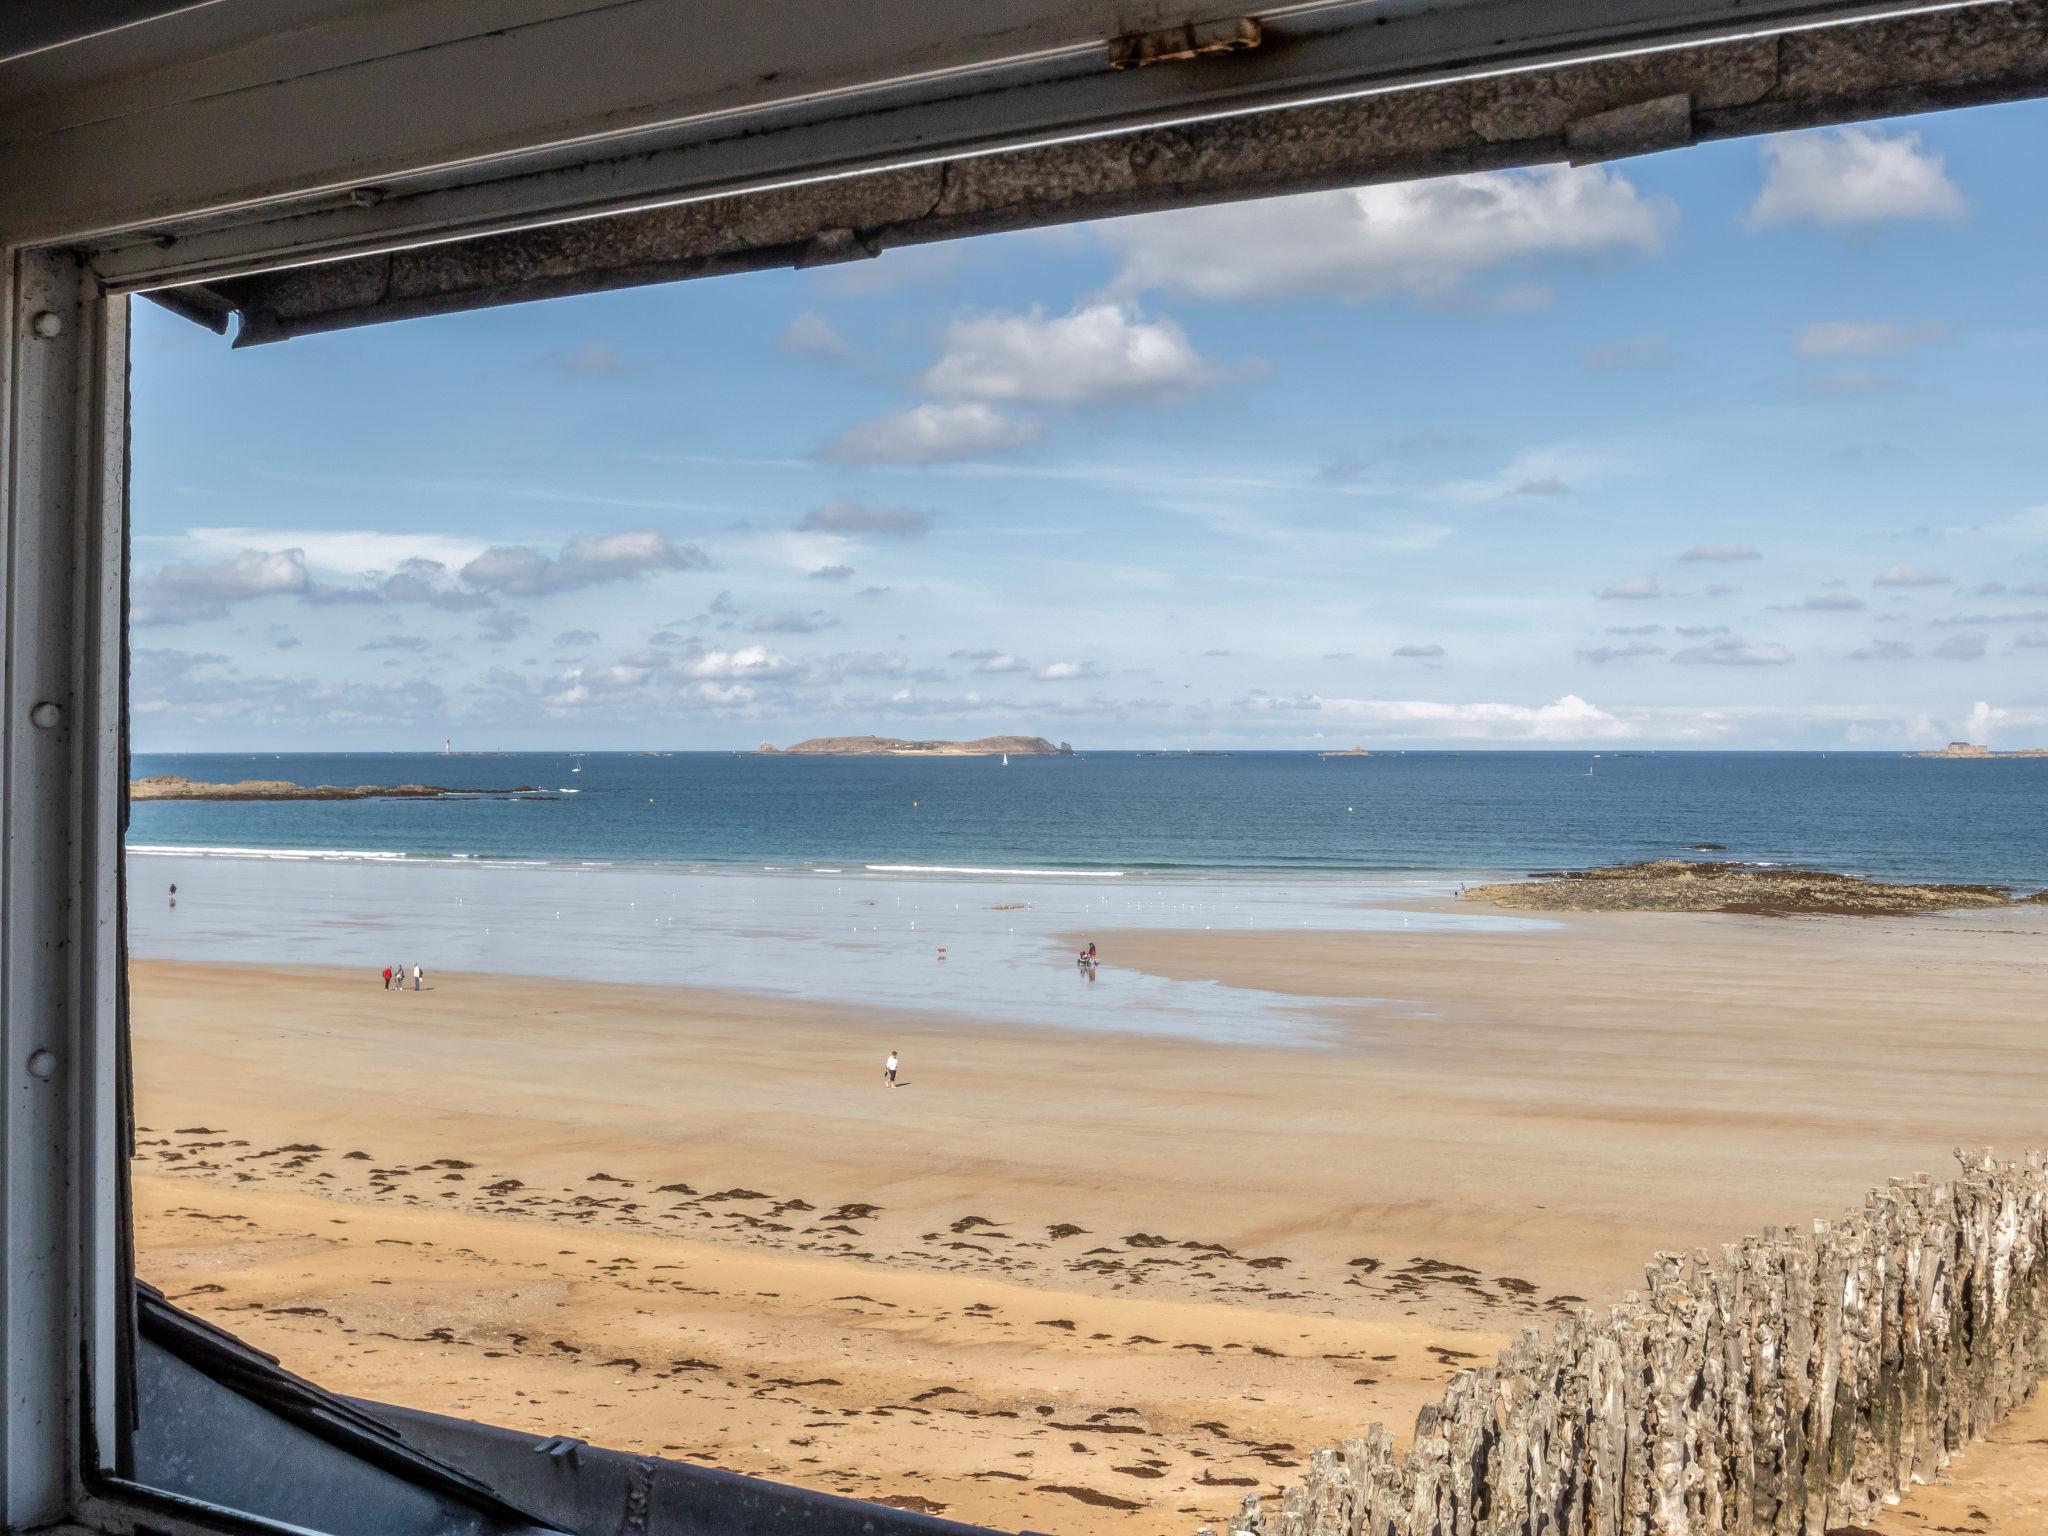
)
(1060, 1279)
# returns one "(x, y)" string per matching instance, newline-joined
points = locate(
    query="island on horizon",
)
(1974, 750)
(893, 746)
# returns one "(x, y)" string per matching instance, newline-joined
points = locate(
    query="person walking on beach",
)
(889, 1069)
(174, 894)
(387, 978)
(416, 975)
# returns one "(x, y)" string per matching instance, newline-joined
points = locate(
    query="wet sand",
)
(1072, 1281)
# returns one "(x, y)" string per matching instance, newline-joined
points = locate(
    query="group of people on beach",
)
(394, 975)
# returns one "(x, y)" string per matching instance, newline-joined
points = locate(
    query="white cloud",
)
(1424, 240)
(520, 570)
(345, 552)
(2031, 523)
(989, 660)
(180, 594)
(1718, 554)
(811, 335)
(503, 625)
(1635, 650)
(1909, 576)
(1864, 338)
(724, 693)
(1732, 652)
(930, 434)
(1101, 352)
(1987, 721)
(1635, 588)
(1064, 672)
(1845, 178)
(1824, 602)
(426, 582)
(791, 622)
(1570, 718)
(853, 517)
(745, 664)
(1551, 470)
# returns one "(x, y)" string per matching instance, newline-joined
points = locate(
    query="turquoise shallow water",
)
(1868, 813)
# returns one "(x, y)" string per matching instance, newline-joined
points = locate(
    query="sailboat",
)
(1006, 759)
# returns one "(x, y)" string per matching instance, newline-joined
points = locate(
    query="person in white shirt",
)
(889, 1070)
(416, 973)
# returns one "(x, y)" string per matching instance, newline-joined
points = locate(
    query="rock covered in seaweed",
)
(1680, 885)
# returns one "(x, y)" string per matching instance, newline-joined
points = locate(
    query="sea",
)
(960, 887)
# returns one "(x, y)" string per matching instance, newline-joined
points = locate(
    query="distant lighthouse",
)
(447, 746)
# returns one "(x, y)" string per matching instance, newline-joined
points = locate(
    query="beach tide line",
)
(199, 851)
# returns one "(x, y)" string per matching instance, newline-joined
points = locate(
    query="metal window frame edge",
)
(998, 108)
(63, 532)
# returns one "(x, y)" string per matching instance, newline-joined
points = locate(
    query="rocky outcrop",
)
(1677, 885)
(1971, 749)
(1785, 1385)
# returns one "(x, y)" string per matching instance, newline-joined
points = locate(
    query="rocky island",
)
(170, 786)
(1677, 885)
(1976, 751)
(892, 746)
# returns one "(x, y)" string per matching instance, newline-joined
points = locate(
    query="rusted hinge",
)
(1195, 40)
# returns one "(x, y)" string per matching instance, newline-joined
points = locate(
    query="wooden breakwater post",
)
(1785, 1385)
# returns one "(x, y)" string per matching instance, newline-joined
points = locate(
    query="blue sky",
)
(1730, 447)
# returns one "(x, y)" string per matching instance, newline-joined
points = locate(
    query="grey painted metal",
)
(204, 1442)
(62, 508)
(1588, 111)
(584, 1488)
(828, 94)
(29, 26)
